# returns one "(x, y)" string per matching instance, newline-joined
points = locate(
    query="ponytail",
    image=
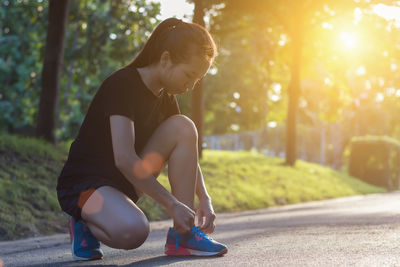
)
(182, 40)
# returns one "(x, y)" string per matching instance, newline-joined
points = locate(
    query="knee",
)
(184, 127)
(131, 234)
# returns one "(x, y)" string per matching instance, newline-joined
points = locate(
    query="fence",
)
(323, 144)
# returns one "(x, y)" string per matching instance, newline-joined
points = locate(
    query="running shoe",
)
(195, 243)
(84, 245)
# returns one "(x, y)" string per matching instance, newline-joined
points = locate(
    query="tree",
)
(197, 94)
(296, 32)
(102, 36)
(237, 90)
(294, 17)
(52, 68)
(22, 33)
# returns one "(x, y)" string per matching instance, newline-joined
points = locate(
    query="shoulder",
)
(126, 74)
(124, 80)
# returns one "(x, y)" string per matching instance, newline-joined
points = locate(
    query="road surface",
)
(351, 231)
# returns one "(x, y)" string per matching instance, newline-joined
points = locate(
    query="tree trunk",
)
(197, 94)
(294, 90)
(52, 68)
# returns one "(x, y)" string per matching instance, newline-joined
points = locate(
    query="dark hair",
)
(180, 39)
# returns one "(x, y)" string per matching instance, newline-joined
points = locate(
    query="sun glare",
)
(348, 39)
(387, 12)
(177, 8)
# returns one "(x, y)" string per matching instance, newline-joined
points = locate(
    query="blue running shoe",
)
(195, 243)
(84, 245)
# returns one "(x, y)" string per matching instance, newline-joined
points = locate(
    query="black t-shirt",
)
(122, 93)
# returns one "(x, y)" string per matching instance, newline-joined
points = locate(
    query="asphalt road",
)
(353, 231)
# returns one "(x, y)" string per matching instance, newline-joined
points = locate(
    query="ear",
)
(165, 58)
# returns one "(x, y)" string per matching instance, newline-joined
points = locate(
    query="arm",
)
(201, 190)
(205, 212)
(128, 162)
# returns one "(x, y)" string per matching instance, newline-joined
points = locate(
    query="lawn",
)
(236, 181)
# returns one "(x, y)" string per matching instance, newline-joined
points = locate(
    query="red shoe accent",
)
(83, 243)
(172, 250)
(198, 238)
(71, 230)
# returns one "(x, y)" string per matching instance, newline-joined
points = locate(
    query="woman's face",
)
(181, 77)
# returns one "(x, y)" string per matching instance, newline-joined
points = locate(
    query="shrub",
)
(376, 160)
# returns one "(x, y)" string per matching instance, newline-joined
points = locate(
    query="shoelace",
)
(176, 239)
(196, 230)
(199, 232)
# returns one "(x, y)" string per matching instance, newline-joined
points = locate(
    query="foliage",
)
(356, 89)
(22, 34)
(376, 160)
(102, 36)
(245, 73)
(353, 88)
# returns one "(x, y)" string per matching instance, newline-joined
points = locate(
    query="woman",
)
(132, 129)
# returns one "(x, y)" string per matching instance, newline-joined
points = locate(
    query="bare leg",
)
(114, 219)
(175, 141)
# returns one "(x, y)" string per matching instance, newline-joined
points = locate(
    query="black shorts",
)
(73, 192)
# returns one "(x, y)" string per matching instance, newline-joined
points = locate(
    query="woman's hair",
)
(182, 40)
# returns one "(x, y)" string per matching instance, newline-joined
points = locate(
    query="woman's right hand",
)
(183, 217)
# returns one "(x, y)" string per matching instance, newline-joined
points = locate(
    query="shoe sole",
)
(180, 251)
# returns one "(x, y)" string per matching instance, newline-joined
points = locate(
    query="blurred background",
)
(293, 79)
(303, 97)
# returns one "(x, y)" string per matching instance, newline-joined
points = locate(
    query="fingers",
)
(184, 223)
(209, 224)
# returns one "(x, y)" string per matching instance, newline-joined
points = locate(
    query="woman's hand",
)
(183, 217)
(205, 215)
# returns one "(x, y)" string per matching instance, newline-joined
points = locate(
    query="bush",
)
(376, 160)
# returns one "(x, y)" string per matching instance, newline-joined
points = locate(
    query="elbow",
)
(127, 164)
(134, 167)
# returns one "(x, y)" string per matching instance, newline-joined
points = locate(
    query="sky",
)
(175, 8)
(183, 10)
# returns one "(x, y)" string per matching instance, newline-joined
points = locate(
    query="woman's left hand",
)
(205, 215)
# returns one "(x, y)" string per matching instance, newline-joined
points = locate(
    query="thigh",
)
(113, 212)
(73, 192)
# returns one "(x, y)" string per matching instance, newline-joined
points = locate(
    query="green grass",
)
(28, 201)
(244, 180)
(235, 180)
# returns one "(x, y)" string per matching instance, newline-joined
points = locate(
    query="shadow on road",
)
(167, 260)
(155, 261)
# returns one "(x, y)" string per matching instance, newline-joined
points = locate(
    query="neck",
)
(150, 79)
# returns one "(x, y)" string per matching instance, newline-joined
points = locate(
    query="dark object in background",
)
(376, 160)
(52, 68)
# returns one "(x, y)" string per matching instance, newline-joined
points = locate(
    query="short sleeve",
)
(118, 99)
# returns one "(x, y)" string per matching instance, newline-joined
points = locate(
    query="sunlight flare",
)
(387, 12)
(348, 40)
